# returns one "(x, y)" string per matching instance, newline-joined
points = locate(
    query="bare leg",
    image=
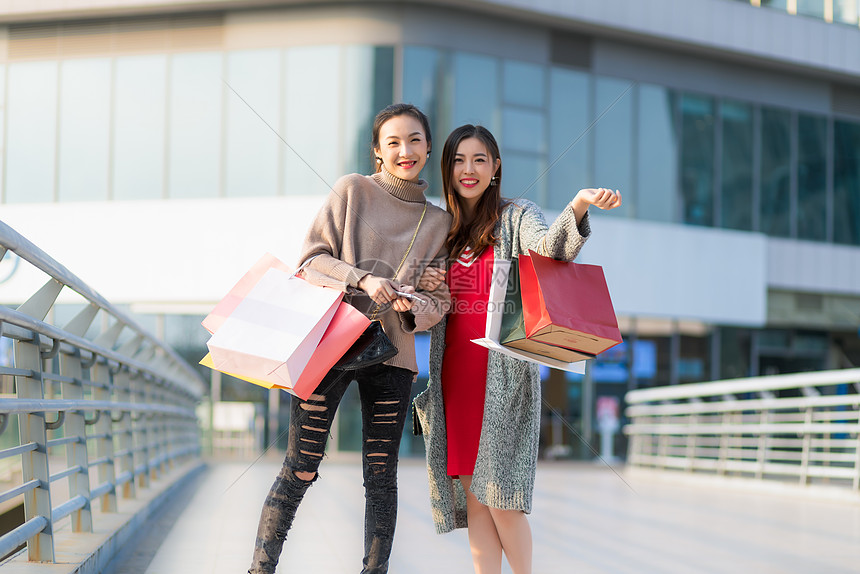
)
(516, 536)
(483, 537)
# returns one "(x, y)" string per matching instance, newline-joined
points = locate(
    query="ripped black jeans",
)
(385, 393)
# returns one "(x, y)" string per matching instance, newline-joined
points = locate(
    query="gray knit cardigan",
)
(507, 452)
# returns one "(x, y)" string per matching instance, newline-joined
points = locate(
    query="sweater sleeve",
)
(324, 240)
(425, 315)
(562, 240)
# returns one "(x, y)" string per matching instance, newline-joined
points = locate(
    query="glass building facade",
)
(838, 11)
(191, 125)
(243, 124)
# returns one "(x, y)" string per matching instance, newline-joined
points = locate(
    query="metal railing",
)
(119, 406)
(802, 427)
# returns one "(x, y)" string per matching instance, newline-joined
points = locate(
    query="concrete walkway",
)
(585, 520)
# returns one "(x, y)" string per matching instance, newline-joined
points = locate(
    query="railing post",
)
(161, 422)
(856, 484)
(31, 428)
(634, 450)
(722, 457)
(138, 427)
(122, 385)
(662, 444)
(104, 430)
(151, 448)
(763, 444)
(691, 443)
(76, 452)
(807, 445)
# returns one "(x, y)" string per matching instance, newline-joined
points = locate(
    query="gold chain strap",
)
(405, 255)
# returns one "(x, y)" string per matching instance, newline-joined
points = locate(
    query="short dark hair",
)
(393, 111)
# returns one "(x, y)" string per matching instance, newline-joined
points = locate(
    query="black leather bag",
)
(372, 347)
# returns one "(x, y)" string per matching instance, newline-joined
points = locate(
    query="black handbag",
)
(373, 345)
(371, 348)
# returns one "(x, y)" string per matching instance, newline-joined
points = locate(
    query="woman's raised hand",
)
(431, 278)
(602, 197)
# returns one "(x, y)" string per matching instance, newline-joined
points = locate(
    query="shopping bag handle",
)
(305, 264)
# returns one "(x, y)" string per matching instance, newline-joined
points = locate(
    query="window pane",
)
(195, 125)
(476, 81)
(613, 139)
(423, 86)
(811, 8)
(520, 177)
(252, 148)
(524, 84)
(568, 108)
(314, 137)
(812, 178)
(780, 4)
(84, 129)
(421, 77)
(139, 124)
(2, 120)
(694, 364)
(697, 160)
(31, 132)
(737, 168)
(845, 11)
(370, 82)
(523, 131)
(846, 184)
(658, 154)
(775, 171)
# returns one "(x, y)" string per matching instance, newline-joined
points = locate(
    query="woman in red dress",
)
(482, 439)
(464, 366)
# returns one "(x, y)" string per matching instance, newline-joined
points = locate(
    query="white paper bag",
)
(271, 335)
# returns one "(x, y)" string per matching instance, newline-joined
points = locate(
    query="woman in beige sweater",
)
(357, 243)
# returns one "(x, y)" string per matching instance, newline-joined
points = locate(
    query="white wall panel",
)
(176, 251)
(190, 252)
(813, 267)
(681, 272)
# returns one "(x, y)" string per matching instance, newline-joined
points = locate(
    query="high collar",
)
(400, 188)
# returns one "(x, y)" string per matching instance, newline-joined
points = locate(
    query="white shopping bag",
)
(271, 335)
(495, 311)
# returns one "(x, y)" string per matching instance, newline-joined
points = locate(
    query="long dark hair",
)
(393, 111)
(479, 232)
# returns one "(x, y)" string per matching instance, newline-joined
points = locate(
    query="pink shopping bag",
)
(276, 330)
(224, 307)
(346, 326)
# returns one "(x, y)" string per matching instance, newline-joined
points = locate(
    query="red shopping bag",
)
(567, 304)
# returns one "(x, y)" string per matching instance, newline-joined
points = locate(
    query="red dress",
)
(464, 364)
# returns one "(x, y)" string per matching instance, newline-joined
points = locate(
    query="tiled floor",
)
(585, 520)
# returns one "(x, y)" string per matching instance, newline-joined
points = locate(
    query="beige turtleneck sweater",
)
(365, 226)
